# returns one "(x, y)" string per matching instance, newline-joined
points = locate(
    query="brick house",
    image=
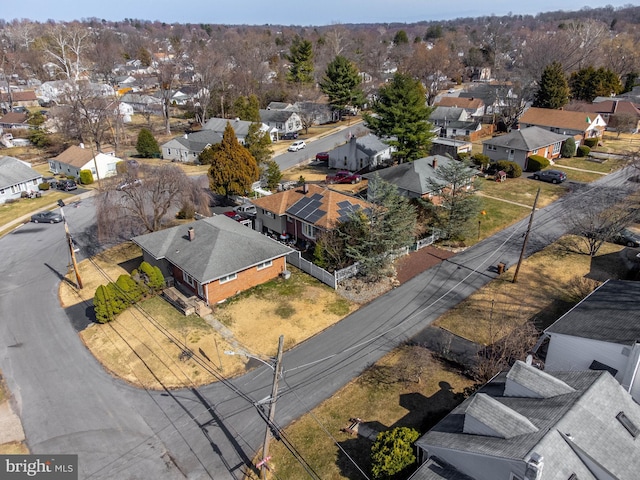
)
(579, 125)
(215, 258)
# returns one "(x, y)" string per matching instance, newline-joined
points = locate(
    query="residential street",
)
(69, 404)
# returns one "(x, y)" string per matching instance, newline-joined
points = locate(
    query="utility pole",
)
(526, 237)
(71, 249)
(272, 409)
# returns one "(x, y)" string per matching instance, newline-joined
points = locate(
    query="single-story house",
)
(602, 332)
(284, 121)
(526, 424)
(187, 147)
(413, 179)
(473, 106)
(14, 120)
(450, 146)
(579, 125)
(142, 103)
(240, 127)
(77, 157)
(204, 257)
(361, 153)
(303, 212)
(613, 111)
(21, 98)
(16, 176)
(518, 145)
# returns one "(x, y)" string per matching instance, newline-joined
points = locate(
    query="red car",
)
(343, 177)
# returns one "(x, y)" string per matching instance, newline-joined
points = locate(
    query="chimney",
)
(435, 163)
(191, 234)
(305, 188)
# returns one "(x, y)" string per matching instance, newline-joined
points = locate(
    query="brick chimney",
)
(191, 233)
(435, 163)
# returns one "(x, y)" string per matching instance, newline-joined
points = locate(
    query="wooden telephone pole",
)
(272, 409)
(526, 237)
(71, 249)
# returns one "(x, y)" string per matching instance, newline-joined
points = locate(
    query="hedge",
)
(591, 142)
(583, 151)
(535, 163)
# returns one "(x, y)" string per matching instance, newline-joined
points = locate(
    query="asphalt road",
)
(68, 404)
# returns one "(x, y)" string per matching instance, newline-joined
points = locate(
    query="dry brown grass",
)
(14, 448)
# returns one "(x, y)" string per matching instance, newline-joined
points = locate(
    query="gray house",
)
(187, 147)
(284, 121)
(526, 424)
(518, 145)
(240, 127)
(16, 177)
(368, 152)
(601, 332)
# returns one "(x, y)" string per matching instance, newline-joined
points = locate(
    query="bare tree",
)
(65, 44)
(432, 65)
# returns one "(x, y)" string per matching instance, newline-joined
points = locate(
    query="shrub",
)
(147, 146)
(535, 163)
(106, 304)
(583, 151)
(44, 186)
(512, 169)
(591, 142)
(188, 211)
(128, 289)
(86, 177)
(463, 157)
(152, 276)
(481, 160)
(568, 149)
(392, 452)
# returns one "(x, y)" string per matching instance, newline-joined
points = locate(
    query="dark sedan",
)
(627, 237)
(46, 217)
(553, 176)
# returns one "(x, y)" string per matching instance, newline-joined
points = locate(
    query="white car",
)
(298, 145)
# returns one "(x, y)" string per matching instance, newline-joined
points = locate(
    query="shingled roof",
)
(549, 117)
(14, 171)
(528, 139)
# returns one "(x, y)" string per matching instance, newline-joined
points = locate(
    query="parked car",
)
(66, 185)
(46, 217)
(553, 176)
(248, 209)
(322, 157)
(289, 136)
(298, 145)
(343, 176)
(627, 237)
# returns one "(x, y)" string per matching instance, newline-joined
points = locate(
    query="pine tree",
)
(402, 118)
(273, 174)
(258, 142)
(247, 108)
(301, 58)
(342, 84)
(553, 90)
(104, 304)
(147, 146)
(233, 169)
(589, 83)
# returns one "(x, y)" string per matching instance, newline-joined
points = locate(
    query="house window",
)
(289, 219)
(269, 214)
(556, 147)
(188, 279)
(35, 182)
(1, 191)
(168, 151)
(511, 152)
(228, 278)
(308, 231)
(264, 265)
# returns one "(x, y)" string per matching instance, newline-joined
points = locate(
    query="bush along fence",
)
(334, 279)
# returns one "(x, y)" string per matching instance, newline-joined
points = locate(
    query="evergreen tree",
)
(630, 81)
(247, 108)
(401, 118)
(458, 209)
(400, 38)
(301, 58)
(342, 84)
(273, 174)
(589, 83)
(393, 452)
(104, 304)
(568, 149)
(147, 146)
(258, 142)
(152, 276)
(233, 169)
(553, 90)
(128, 289)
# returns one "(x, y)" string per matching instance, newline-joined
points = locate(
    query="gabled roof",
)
(14, 171)
(319, 206)
(574, 432)
(527, 139)
(19, 96)
(471, 103)
(611, 313)
(196, 141)
(413, 176)
(213, 253)
(448, 113)
(240, 127)
(279, 106)
(267, 116)
(75, 156)
(607, 107)
(549, 117)
(14, 118)
(371, 145)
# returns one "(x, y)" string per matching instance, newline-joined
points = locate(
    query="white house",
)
(76, 158)
(284, 121)
(16, 176)
(368, 152)
(602, 332)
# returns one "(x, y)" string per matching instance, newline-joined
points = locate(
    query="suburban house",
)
(240, 127)
(450, 146)
(455, 122)
(23, 98)
(473, 106)
(579, 125)
(203, 257)
(284, 121)
(301, 213)
(615, 112)
(367, 152)
(494, 95)
(77, 157)
(14, 120)
(16, 176)
(187, 147)
(526, 424)
(413, 179)
(602, 332)
(142, 103)
(518, 145)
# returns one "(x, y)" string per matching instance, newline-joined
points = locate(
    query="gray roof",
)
(413, 176)
(610, 314)
(572, 430)
(452, 142)
(14, 171)
(196, 141)
(371, 145)
(240, 127)
(278, 106)
(267, 116)
(450, 113)
(531, 138)
(221, 247)
(436, 469)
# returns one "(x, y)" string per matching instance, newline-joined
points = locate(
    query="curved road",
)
(68, 404)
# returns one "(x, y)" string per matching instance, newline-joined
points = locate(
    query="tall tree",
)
(342, 84)
(233, 169)
(258, 142)
(247, 108)
(589, 83)
(402, 118)
(147, 146)
(553, 88)
(301, 58)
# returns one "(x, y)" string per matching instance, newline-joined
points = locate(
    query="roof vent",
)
(534, 467)
(191, 233)
(435, 162)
